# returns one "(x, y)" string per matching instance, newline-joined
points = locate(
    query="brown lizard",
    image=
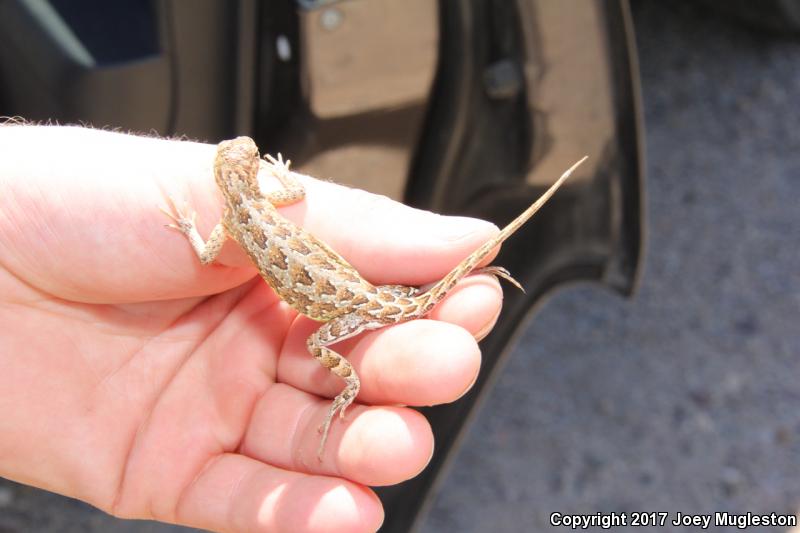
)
(306, 273)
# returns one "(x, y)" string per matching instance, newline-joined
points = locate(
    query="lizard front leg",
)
(206, 251)
(293, 191)
(336, 330)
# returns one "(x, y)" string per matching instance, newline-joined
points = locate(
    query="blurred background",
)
(685, 397)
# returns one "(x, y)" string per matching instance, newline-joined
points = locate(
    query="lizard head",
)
(236, 167)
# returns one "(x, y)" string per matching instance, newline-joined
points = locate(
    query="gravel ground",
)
(686, 398)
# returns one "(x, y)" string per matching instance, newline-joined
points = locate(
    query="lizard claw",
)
(183, 222)
(172, 216)
(340, 403)
(501, 273)
(279, 162)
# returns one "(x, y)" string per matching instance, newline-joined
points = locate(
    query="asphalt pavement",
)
(684, 399)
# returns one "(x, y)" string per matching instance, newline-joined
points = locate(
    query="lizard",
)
(306, 273)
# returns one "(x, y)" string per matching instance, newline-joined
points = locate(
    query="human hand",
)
(152, 387)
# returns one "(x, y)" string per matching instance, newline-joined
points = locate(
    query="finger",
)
(386, 241)
(80, 224)
(82, 220)
(422, 362)
(474, 304)
(237, 493)
(372, 445)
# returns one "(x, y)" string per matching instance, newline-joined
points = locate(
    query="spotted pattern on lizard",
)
(306, 273)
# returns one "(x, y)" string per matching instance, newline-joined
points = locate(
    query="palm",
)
(125, 385)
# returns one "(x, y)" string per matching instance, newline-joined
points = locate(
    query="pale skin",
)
(151, 386)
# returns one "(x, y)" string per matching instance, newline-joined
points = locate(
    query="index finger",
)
(82, 220)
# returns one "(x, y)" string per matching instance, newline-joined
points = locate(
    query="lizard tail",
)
(436, 293)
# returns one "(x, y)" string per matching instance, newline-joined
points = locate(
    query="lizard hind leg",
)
(342, 400)
(500, 272)
(332, 332)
